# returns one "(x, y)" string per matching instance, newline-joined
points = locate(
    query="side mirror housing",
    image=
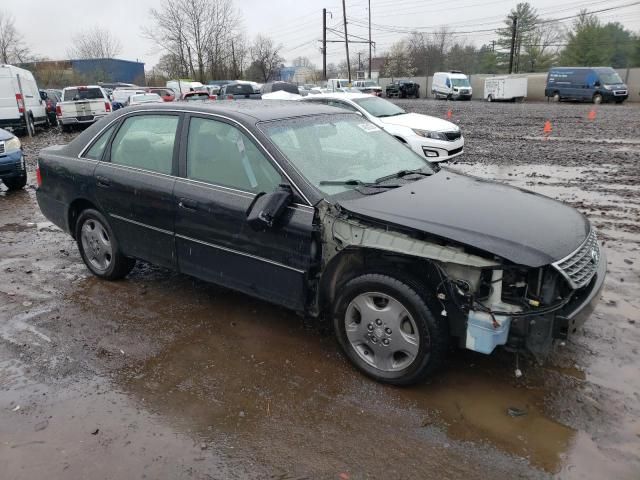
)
(267, 208)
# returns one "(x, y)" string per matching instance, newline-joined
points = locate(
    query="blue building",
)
(110, 70)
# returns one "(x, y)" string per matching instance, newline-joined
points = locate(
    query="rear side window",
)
(97, 149)
(146, 142)
(73, 94)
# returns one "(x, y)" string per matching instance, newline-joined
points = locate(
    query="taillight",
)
(213, 97)
(20, 102)
(107, 107)
(38, 176)
(229, 97)
(58, 110)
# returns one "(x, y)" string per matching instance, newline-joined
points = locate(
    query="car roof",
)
(245, 110)
(342, 95)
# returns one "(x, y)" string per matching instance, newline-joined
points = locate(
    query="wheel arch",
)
(75, 209)
(420, 273)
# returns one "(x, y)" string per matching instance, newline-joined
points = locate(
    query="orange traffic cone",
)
(592, 115)
(449, 114)
(547, 128)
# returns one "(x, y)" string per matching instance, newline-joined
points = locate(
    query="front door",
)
(135, 183)
(223, 169)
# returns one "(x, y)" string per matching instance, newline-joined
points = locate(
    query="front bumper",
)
(462, 96)
(437, 150)
(12, 165)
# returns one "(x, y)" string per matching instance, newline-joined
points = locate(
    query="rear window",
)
(73, 94)
(239, 89)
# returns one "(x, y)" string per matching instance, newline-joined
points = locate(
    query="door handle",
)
(103, 181)
(187, 204)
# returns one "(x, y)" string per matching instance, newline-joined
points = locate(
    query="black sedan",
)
(316, 209)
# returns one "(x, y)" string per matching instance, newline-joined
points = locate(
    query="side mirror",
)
(597, 84)
(267, 208)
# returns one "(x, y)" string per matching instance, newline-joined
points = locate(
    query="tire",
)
(376, 314)
(597, 99)
(99, 247)
(53, 120)
(556, 97)
(490, 98)
(16, 183)
(31, 127)
(417, 95)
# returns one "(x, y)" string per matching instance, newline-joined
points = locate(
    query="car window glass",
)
(96, 150)
(146, 141)
(339, 104)
(220, 153)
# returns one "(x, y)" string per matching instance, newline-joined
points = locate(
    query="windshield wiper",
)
(402, 174)
(356, 183)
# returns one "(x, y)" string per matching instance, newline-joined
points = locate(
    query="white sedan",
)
(142, 98)
(432, 137)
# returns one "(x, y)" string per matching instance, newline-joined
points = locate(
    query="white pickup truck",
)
(82, 106)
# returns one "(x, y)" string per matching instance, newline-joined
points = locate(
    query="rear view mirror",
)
(267, 208)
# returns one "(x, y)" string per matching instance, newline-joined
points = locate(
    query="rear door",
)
(135, 184)
(223, 168)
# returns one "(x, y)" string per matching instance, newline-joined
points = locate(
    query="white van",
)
(180, 87)
(453, 85)
(13, 105)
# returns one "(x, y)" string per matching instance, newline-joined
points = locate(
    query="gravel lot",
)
(163, 376)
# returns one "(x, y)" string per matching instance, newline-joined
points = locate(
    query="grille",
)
(579, 267)
(1, 148)
(454, 151)
(451, 136)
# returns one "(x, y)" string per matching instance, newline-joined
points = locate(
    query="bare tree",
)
(265, 57)
(302, 62)
(206, 37)
(12, 46)
(96, 42)
(397, 62)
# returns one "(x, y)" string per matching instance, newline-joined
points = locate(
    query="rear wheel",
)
(490, 98)
(387, 331)
(99, 248)
(556, 97)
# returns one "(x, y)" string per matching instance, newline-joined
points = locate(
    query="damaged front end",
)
(487, 300)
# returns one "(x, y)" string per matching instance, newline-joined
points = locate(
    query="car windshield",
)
(379, 107)
(369, 83)
(82, 93)
(341, 148)
(610, 78)
(460, 82)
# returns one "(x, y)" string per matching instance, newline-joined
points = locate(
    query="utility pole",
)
(514, 29)
(346, 38)
(359, 61)
(369, 39)
(324, 43)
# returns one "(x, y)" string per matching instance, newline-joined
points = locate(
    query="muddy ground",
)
(164, 376)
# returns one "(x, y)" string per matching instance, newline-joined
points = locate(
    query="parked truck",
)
(505, 88)
(82, 105)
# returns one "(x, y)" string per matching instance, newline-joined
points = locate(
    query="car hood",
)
(517, 225)
(422, 122)
(5, 135)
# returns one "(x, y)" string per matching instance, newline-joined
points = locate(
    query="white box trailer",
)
(505, 88)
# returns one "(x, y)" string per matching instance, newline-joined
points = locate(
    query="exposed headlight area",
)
(430, 134)
(12, 145)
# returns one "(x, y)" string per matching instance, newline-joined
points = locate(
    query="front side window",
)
(379, 107)
(146, 141)
(340, 147)
(221, 154)
(344, 105)
(97, 149)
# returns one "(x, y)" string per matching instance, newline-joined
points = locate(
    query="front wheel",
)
(99, 248)
(387, 331)
(597, 99)
(16, 183)
(490, 98)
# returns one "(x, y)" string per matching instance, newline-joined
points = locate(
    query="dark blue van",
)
(585, 84)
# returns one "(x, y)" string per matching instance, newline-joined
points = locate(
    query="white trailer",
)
(505, 88)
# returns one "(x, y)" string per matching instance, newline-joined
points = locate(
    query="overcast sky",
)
(48, 26)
